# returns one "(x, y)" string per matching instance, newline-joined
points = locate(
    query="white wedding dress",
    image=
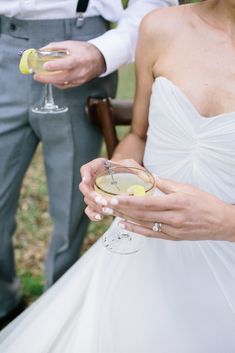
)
(170, 297)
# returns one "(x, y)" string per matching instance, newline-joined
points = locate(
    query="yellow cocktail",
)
(32, 61)
(120, 180)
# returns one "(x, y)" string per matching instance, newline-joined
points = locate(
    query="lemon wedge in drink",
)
(136, 190)
(24, 66)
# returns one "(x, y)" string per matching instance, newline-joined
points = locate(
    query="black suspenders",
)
(81, 8)
(82, 5)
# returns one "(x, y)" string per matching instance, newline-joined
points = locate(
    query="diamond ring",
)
(157, 227)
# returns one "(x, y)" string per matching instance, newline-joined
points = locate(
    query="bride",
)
(172, 296)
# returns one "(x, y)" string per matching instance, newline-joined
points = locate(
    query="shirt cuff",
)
(122, 52)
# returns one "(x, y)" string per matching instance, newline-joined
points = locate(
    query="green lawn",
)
(34, 224)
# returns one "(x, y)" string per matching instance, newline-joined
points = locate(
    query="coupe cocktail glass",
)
(35, 63)
(121, 180)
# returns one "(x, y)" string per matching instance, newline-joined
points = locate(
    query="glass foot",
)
(123, 243)
(55, 109)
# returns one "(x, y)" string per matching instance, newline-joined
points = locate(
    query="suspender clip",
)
(80, 20)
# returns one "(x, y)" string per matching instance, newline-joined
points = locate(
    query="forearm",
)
(131, 147)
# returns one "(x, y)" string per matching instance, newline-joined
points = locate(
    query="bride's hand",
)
(96, 203)
(88, 173)
(184, 213)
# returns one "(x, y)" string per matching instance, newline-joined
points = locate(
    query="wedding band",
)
(157, 227)
(66, 82)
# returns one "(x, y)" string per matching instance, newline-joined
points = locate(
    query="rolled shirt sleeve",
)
(118, 45)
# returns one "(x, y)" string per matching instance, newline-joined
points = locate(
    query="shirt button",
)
(12, 27)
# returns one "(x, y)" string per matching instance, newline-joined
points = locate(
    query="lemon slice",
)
(136, 190)
(24, 66)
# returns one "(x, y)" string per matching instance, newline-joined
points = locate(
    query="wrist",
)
(99, 59)
(230, 221)
(117, 158)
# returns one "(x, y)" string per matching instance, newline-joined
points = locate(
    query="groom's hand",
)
(83, 63)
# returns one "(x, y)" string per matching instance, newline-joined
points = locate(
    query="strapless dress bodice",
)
(185, 146)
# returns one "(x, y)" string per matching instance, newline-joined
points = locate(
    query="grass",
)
(34, 225)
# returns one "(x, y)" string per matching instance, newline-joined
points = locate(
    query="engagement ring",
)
(157, 227)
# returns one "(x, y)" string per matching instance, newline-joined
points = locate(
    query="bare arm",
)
(131, 149)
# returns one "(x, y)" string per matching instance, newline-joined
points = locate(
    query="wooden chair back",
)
(107, 114)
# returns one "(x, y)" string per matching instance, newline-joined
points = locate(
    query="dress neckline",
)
(188, 101)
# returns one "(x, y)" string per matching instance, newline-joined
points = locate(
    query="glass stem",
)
(49, 100)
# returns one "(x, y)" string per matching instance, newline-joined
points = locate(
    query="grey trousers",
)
(68, 141)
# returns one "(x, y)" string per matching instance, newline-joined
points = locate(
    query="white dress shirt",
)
(117, 45)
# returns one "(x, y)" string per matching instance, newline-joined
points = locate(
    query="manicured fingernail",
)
(98, 217)
(114, 202)
(107, 210)
(83, 179)
(100, 201)
(122, 225)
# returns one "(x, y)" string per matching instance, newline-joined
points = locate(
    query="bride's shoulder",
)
(166, 22)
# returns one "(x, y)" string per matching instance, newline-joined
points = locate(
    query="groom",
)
(69, 141)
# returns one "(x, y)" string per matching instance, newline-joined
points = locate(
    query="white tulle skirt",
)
(170, 297)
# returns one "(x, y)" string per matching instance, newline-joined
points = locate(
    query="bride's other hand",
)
(95, 202)
(183, 213)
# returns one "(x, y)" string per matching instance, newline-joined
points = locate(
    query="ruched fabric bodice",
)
(187, 147)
